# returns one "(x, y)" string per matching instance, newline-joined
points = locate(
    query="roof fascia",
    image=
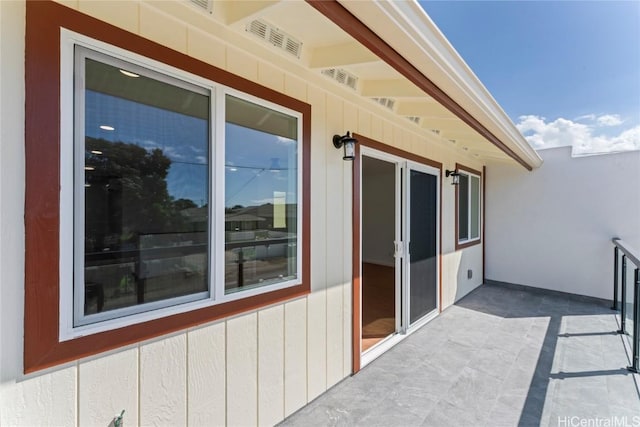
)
(418, 26)
(352, 17)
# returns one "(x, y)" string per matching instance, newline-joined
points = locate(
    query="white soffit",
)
(332, 52)
(299, 19)
(405, 26)
(327, 49)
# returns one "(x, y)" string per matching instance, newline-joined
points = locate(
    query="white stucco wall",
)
(552, 228)
(255, 368)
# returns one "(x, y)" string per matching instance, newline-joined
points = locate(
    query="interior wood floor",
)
(378, 304)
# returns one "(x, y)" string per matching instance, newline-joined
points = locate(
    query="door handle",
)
(398, 249)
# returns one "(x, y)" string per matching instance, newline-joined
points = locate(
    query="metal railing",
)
(628, 255)
(240, 246)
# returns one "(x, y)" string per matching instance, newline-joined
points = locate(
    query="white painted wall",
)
(255, 368)
(559, 236)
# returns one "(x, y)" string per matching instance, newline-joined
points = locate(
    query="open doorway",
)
(399, 250)
(379, 317)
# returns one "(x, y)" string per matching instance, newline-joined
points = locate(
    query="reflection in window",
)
(261, 206)
(463, 207)
(468, 207)
(144, 168)
(474, 208)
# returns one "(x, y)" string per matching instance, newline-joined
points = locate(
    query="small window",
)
(468, 201)
(261, 196)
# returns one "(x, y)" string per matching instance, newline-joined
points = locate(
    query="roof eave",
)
(407, 28)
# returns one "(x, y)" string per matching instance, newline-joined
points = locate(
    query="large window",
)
(161, 192)
(143, 220)
(468, 207)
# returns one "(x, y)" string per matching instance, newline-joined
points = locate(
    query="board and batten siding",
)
(255, 368)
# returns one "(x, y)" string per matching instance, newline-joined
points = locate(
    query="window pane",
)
(261, 187)
(475, 207)
(463, 207)
(146, 163)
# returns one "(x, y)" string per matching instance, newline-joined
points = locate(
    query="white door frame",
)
(402, 229)
(430, 170)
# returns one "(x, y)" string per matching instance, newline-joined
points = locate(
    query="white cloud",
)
(173, 154)
(627, 140)
(601, 120)
(609, 120)
(259, 202)
(148, 144)
(582, 137)
(284, 140)
(585, 117)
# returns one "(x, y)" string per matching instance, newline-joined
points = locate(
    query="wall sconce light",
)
(348, 143)
(455, 176)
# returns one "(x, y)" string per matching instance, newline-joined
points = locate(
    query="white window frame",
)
(71, 265)
(220, 202)
(468, 238)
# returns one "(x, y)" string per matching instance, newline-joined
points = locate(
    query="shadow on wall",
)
(462, 273)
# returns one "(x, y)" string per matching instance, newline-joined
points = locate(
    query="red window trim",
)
(42, 347)
(464, 245)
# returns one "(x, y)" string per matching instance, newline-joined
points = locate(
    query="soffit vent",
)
(275, 37)
(206, 5)
(386, 102)
(414, 119)
(342, 76)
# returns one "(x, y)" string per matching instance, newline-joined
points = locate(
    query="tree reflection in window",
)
(145, 180)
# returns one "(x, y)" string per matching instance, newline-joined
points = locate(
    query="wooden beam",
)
(391, 88)
(246, 9)
(341, 55)
(422, 108)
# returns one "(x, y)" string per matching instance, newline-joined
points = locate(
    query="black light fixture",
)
(349, 144)
(455, 176)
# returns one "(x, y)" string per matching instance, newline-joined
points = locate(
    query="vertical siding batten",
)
(334, 256)
(295, 356)
(162, 28)
(206, 372)
(271, 365)
(317, 300)
(206, 48)
(163, 381)
(97, 380)
(242, 370)
(125, 16)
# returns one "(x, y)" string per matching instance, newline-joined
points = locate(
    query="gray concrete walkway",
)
(502, 356)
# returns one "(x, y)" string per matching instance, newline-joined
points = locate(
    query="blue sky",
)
(567, 73)
(257, 163)
(182, 138)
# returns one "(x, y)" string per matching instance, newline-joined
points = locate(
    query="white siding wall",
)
(559, 237)
(251, 369)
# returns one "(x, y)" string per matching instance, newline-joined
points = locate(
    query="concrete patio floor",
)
(502, 356)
